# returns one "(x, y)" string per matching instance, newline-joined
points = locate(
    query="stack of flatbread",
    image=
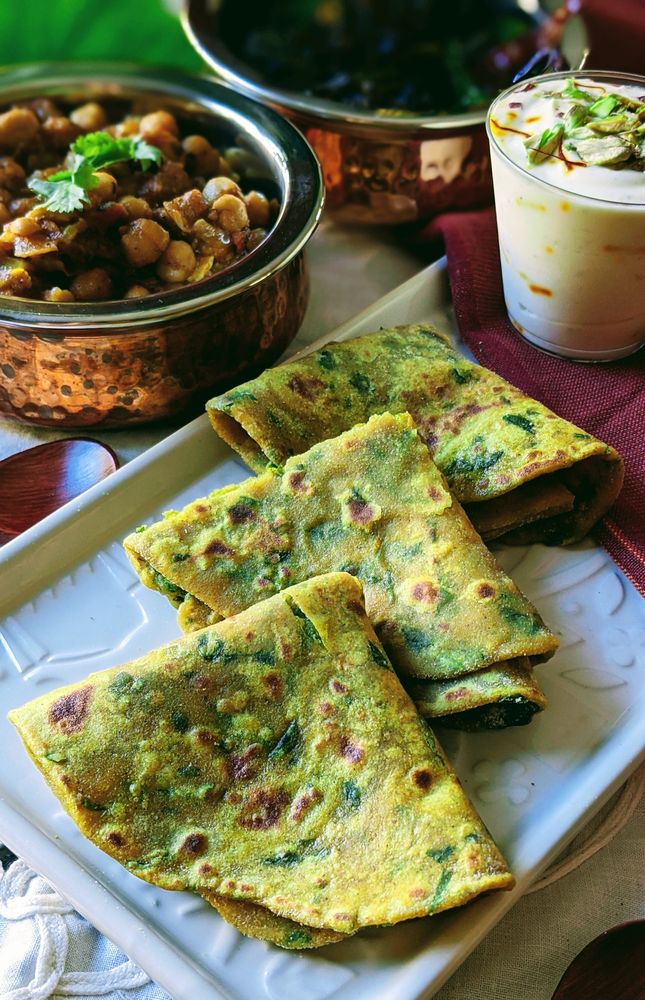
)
(370, 502)
(277, 759)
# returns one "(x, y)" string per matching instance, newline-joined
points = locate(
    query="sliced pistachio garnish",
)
(574, 93)
(539, 150)
(603, 151)
(574, 118)
(605, 106)
(615, 123)
(606, 131)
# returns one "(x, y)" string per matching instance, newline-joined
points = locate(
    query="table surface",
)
(527, 953)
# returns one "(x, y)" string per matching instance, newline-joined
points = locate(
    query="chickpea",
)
(16, 126)
(255, 237)
(205, 158)
(60, 132)
(105, 189)
(94, 285)
(12, 175)
(219, 185)
(136, 292)
(169, 181)
(137, 208)
(14, 278)
(186, 209)
(225, 167)
(90, 117)
(57, 294)
(213, 241)
(158, 123)
(169, 145)
(44, 108)
(257, 206)
(177, 262)
(144, 241)
(229, 212)
(161, 129)
(196, 145)
(129, 126)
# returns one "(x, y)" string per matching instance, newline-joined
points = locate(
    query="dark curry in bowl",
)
(423, 57)
(392, 97)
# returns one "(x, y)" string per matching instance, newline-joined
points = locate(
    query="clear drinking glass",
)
(573, 265)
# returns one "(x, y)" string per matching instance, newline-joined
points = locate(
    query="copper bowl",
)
(131, 361)
(378, 168)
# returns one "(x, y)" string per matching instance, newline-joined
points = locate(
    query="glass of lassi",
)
(568, 162)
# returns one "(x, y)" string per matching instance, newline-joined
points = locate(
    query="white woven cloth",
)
(49, 950)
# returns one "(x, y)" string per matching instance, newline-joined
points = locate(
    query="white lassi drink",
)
(568, 161)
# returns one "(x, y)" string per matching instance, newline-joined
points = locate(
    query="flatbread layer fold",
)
(521, 471)
(274, 759)
(507, 695)
(492, 698)
(370, 502)
(258, 922)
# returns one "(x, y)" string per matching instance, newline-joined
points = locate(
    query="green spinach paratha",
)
(370, 502)
(521, 472)
(272, 759)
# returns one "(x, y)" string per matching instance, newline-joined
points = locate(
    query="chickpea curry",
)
(93, 208)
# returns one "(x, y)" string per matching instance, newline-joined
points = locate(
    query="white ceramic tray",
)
(70, 603)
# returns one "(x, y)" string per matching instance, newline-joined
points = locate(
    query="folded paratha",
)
(502, 696)
(272, 759)
(521, 472)
(370, 502)
(258, 922)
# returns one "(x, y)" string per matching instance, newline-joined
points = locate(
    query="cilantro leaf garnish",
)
(61, 195)
(102, 150)
(66, 190)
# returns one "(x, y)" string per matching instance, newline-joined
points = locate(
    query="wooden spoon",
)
(35, 482)
(611, 967)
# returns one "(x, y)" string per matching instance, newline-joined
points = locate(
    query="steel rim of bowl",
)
(281, 143)
(196, 17)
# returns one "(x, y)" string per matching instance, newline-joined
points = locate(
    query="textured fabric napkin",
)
(49, 950)
(607, 400)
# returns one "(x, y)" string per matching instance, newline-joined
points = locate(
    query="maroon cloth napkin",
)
(616, 31)
(607, 400)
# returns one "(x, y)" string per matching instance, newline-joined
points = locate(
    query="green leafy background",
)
(140, 30)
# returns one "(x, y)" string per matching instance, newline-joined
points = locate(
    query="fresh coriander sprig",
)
(67, 190)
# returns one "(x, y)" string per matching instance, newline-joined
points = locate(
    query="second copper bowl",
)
(381, 168)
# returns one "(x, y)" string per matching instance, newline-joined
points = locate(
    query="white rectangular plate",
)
(72, 604)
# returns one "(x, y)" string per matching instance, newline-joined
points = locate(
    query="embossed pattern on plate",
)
(69, 604)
